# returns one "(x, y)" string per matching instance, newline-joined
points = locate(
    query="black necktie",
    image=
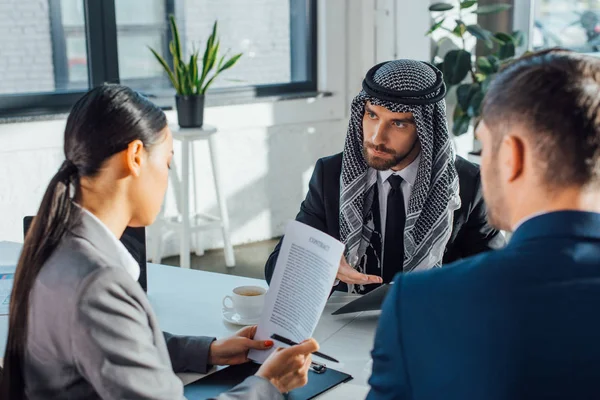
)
(393, 249)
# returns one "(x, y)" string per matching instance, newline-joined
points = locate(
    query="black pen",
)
(291, 343)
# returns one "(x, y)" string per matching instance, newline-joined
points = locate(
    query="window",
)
(572, 24)
(38, 53)
(52, 51)
(142, 23)
(69, 44)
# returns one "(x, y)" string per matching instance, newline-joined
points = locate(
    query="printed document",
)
(304, 274)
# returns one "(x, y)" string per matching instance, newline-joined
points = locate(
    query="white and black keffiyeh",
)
(418, 88)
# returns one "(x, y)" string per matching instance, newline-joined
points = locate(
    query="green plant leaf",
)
(206, 60)
(193, 68)
(213, 56)
(479, 77)
(176, 61)
(503, 37)
(210, 63)
(211, 59)
(222, 59)
(457, 64)
(231, 62)
(492, 8)
(464, 93)
(481, 34)
(189, 75)
(461, 124)
(166, 67)
(435, 26)
(186, 82)
(486, 83)
(507, 50)
(458, 112)
(441, 7)
(467, 4)
(485, 66)
(495, 62)
(518, 38)
(213, 36)
(176, 39)
(181, 80)
(475, 104)
(460, 29)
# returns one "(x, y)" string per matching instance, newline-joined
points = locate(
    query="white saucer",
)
(234, 318)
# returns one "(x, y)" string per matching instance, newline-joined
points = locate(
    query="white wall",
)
(266, 150)
(400, 30)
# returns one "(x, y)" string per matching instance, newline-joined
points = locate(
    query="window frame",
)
(103, 67)
(524, 20)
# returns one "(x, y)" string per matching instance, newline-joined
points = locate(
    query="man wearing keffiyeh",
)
(397, 197)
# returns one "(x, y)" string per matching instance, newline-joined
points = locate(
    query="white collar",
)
(408, 173)
(129, 263)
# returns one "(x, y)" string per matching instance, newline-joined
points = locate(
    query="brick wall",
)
(258, 28)
(25, 47)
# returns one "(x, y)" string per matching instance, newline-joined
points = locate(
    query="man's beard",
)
(495, 203)
(383, 164)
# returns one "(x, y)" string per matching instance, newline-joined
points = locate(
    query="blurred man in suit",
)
(521, 322)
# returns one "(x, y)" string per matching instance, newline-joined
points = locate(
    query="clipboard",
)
(223, 380)
(367, 302)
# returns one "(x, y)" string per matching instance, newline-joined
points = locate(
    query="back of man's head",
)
(554, 98)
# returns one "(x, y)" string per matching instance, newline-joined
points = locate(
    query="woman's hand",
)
(287, 368)
(234, 350)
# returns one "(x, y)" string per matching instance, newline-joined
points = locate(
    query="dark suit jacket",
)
(471, 234)
(517, 323)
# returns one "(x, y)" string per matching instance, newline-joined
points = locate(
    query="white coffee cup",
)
(247, 301)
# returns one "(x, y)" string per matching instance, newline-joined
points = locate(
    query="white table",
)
(188, 302)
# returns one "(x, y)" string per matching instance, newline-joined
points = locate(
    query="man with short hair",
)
(520, 322)
(397, 197)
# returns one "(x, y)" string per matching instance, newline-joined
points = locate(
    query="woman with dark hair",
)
(80, 325)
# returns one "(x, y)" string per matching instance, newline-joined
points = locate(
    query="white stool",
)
(202, 222)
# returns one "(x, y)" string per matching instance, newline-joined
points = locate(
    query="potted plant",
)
(469, 74)
(191, 82)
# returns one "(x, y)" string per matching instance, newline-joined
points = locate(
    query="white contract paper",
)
(304, 274)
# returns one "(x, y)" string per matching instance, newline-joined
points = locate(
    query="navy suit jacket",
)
(518, 323)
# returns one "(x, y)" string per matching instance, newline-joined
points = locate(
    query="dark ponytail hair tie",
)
(69, 169)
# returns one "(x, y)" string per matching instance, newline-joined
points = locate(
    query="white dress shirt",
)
(408, 175)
